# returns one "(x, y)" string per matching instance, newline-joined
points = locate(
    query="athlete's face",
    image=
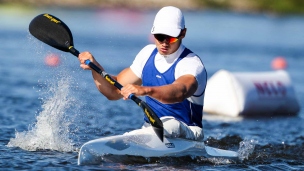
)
(167, 45)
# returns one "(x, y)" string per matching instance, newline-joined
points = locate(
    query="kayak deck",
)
(146, 145)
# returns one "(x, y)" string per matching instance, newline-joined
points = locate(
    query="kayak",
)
(145, 145)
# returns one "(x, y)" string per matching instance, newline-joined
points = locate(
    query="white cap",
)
(169, 21)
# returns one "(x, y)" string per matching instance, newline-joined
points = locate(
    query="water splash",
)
(51, 131)
(246, 148)
(219, 161)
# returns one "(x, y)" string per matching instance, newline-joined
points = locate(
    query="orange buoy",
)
(279, 63)
(52, 60)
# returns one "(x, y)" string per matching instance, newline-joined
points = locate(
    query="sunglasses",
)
(162, 37)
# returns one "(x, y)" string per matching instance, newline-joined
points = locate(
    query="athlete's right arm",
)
(111, 92)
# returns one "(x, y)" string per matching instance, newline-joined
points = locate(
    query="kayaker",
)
(170, 76)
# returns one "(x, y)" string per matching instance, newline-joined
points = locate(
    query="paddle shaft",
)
(105, 75)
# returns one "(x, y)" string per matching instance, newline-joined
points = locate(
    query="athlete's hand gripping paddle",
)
(54, 32)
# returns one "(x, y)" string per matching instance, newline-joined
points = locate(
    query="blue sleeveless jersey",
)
(184, 111)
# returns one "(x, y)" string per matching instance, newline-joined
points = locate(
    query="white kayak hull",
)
(146, 145)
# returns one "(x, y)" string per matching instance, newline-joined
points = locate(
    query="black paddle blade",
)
(156, 123)
(52, 31)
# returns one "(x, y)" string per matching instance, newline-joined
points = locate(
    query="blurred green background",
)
(252, 6)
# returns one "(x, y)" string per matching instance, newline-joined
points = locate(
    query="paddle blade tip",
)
(159, 132)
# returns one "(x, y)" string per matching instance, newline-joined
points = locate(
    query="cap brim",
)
(173, 32)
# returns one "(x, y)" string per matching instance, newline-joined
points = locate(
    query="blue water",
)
(47, 113)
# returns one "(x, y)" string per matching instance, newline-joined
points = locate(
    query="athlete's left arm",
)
(182, 88)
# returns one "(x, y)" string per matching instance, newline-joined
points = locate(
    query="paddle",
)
(52, 31)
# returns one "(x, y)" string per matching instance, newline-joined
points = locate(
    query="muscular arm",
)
(126, 76)
(111, 92)
(184, 87)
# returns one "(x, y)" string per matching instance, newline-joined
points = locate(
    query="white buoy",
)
(250, 94)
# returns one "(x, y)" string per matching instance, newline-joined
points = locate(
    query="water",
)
(47, 113)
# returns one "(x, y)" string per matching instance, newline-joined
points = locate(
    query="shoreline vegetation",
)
(280, 7)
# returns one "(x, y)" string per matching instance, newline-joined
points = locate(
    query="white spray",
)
(51, 131)
(246, 148)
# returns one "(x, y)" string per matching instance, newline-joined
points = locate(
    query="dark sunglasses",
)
(162, 37)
